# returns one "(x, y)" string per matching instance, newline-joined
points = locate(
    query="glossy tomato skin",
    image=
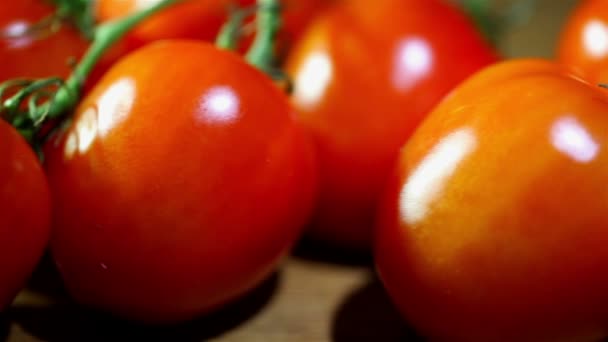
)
(202, 19)
(584, 40)
(179, 187)
(25, 213)
(28, 55)
(362, 88)
(494, 225)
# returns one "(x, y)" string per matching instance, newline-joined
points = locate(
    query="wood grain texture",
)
(312, 298)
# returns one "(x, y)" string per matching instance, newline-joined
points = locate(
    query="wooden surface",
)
(316, 296)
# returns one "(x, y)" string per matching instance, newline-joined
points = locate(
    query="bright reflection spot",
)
(86, 128)
(413, 61)
(313, 79)
(17, 35)
(219, 105)
(71, 145)
(144, 4)
(115, 104)
(571, 138)
(16, 29)
(595, 38)
(427, 181)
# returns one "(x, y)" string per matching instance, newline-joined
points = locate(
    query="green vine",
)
(261, 54)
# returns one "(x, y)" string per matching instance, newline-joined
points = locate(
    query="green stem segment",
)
(268, 23)
(230, 34)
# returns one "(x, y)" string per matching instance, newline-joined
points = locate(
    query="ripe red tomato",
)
(495, 224)
(361, 89)
(35, 54)
(584, 40)
(200, 19)
(24, 213)
(179, 186)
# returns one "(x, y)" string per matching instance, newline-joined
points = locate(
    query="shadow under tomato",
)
(5, 326)
(319, 251)
(367, 314)
(46, 279)
(69, 322)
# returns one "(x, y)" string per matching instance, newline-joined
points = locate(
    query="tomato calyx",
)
(28, 104)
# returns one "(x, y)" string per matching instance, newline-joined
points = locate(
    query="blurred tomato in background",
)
(365, 75)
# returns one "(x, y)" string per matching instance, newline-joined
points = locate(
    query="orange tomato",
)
(584, 41)
(494, 225)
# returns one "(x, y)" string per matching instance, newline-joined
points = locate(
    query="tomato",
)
(192, 19)
(362, 88)
(178, 187)
(584, 40)
(35, 54)
(200, 19)
(25, 213)
(494, 225)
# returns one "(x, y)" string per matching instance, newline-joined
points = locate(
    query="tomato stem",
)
(268, 23)
(61, 97)
(230, 34)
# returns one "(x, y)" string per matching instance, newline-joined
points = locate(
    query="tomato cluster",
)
(185, 174)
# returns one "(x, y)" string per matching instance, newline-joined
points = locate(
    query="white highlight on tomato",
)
(16, 34)
(595, 38)
(428, 180)
(312, 80)
(145, 4)
(71, 146)
(86, 128)
(413, 61)
(220, 105)
(115, 104)
(572, 139)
